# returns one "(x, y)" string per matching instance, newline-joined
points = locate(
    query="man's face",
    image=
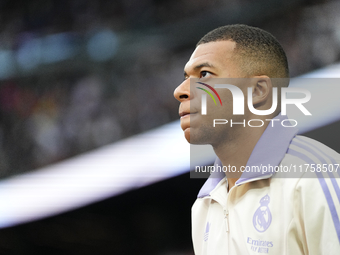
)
(208, 61)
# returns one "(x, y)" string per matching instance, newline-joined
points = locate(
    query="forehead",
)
(215, 53)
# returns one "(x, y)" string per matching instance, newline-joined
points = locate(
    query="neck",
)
(236, 152)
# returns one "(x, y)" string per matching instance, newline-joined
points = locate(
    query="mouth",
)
(185, 114)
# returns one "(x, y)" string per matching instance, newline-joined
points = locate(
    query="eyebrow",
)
(198, 67)
(206, 64)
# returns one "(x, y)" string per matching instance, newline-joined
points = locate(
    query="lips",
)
(186, 114)
(182, 114)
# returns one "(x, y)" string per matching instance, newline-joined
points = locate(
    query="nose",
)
(182, 92)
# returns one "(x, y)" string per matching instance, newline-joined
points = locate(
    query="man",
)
(250, 212)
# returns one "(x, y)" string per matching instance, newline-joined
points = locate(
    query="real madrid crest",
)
(262, 217)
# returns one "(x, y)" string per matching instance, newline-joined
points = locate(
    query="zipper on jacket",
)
(226, 213)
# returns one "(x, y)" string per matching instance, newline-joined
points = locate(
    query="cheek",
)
(221, 111)
(229, 101)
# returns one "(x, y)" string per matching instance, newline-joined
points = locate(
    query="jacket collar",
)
(269, 151)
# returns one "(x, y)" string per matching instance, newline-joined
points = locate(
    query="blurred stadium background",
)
(78, 76)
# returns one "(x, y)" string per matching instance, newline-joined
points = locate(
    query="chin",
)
(195, 136)
(187, 134)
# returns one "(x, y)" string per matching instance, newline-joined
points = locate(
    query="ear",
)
(262, 86)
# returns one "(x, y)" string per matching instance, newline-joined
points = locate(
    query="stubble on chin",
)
(200, 135)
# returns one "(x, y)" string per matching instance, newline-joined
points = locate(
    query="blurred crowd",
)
(47, 117)
(52, 16)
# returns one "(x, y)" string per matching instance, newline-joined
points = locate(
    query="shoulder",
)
(316, 168)
(309, 158)
(312, 149)
(317, 189)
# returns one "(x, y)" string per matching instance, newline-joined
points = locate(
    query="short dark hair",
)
(257, 51)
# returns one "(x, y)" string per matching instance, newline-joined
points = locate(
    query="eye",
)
(185, 76)
(205, 74)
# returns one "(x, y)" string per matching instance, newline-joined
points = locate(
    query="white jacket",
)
(288, 212)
